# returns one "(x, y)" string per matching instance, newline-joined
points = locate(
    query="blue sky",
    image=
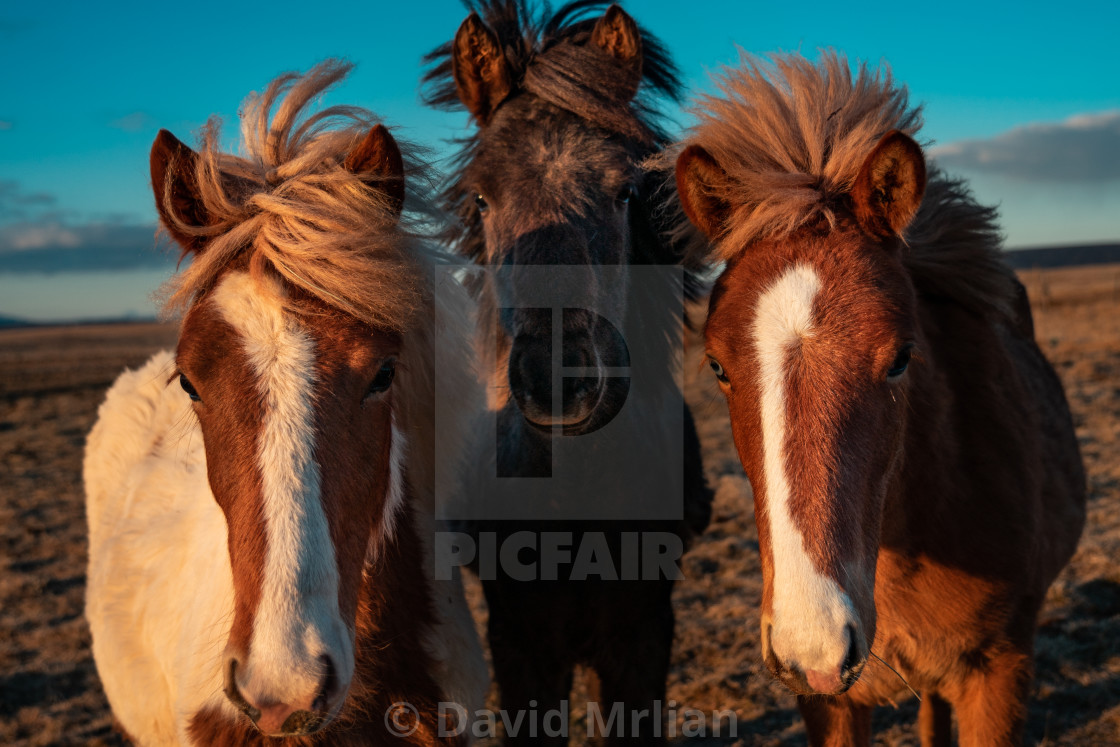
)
(1022, 98)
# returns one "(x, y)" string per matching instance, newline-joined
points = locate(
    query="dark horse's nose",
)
(531, 369)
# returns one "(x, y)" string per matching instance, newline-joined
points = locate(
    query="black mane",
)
(549, 58)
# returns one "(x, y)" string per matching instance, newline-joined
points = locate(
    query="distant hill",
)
(12, 321)
(1063, 256)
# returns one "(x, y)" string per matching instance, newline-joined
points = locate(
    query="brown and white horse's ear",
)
(377, 159)
(175, 185)
(699, 179)
(890, 185)
(617, 34)
(482, 75)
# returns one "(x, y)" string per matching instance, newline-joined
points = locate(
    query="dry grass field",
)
(52, 380)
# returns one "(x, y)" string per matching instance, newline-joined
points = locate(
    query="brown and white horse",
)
(260, 500)
(917, 482)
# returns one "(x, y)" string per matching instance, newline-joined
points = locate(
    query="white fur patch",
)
(298, 619)
(810, 611)
(394, 500)
(159, 589)
(394, 496)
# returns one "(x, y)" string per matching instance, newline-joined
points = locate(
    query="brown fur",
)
(316, 209)
(697, 175)
(353, 495)
(378, 155)
(393, 666)
(617, 34)
(553, 177)
(957, 489)
(294, 208)
(888, 191)
(790, 137)
(211, 357)
(481, 74)
(784, 147)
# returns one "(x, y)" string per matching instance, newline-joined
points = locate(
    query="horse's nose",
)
(305, 715)
(821, 680)
(531, 380)
(580, 392)
(530, 377)
(836, 681)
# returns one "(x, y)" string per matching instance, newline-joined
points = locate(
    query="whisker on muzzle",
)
(896, 674)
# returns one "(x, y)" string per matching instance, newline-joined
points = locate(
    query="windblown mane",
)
(288, 207)
(791, 137)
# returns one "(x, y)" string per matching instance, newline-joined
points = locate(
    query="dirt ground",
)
(53, 379)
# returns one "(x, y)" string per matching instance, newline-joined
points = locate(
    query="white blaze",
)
(298, 619)
(810, 611)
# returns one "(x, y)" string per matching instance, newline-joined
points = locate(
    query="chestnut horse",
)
(917, 482)
(551, 181)
(260, 500)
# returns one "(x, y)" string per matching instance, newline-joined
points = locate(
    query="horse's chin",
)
(575, 424)
(299, 724)
(548, 427)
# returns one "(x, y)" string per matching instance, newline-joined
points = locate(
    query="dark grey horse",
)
(551, 190)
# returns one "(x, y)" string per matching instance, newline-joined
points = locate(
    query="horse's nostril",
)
(328, 686)
(530, 369)
(233, 692)
(768, 656)
(854, 661)
(579, 386)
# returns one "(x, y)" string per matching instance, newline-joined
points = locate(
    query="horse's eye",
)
(901, 361)
(482, 204)
(188, 387)
(384, 377)
(625, 195)
(718, 369)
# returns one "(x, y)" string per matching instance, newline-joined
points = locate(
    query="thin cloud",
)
(81, 248)
(1084, 148)
(134, 122)
(35, 236)
(16, 204)
(6, 125)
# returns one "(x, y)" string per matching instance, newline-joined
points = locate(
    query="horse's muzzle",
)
(533, 375)
(285, 719)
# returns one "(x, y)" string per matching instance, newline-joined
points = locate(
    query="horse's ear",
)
(378, 160)
(890, 185)
(175, 185)
(479, 66)
(617, 34)
(699, 178)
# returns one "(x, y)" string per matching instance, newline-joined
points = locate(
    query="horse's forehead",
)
(857, 299)
(555, 147)
(252, 317)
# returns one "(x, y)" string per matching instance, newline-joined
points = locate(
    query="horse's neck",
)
(927, 493)
(395, 602)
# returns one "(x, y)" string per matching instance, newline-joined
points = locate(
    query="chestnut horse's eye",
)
(718, 369)
(384, 378)
(482, 204)
(901, 361)
(188, 387)
(625, 195)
